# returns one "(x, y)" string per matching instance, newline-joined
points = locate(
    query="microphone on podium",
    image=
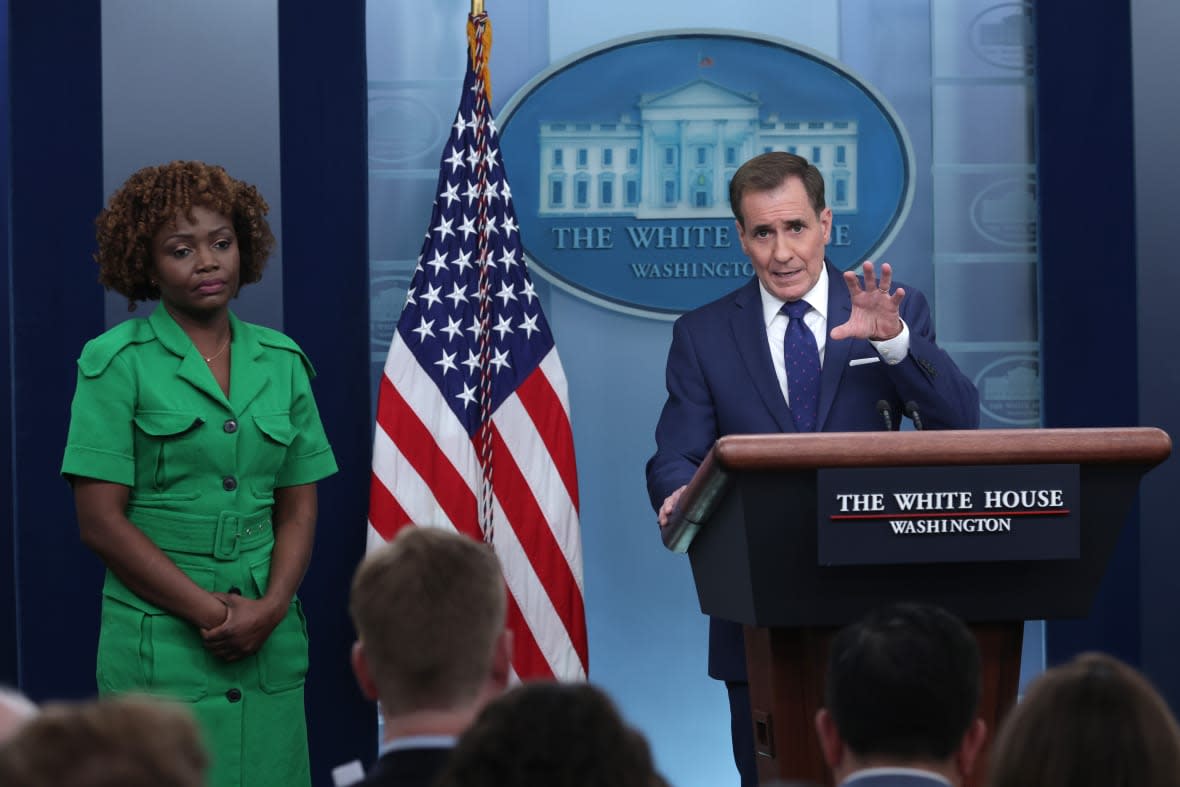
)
(886, 414)
(911, 410)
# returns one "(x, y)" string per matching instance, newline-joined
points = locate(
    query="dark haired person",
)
(801, 347)
(193, 452)
(901, 700)
(1093, 722)
(545, 734)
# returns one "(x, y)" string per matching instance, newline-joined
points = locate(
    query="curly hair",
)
(151, 199)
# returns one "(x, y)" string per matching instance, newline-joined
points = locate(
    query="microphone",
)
(886, 414)
(911, 409)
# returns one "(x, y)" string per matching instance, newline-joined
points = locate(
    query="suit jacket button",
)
(230, 426)
(229, 483)
(233, 695)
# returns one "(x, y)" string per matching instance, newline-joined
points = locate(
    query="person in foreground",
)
(112, 742)
(430, 612)
(801, 347)
(544, 734)
(901, 698)
(1092, 722)
(15, 710)
(194, 448)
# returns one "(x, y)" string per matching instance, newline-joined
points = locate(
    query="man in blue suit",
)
(901, 698)
(856, 343)
(432, 646)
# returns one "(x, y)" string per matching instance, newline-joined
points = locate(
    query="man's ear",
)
(741, 231)
(501, 661)
(825, 223)
(360, 668)
(971, 747)
(829, 738)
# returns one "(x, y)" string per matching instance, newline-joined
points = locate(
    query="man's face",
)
(784, 238)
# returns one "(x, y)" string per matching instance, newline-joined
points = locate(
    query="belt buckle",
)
(225, 542)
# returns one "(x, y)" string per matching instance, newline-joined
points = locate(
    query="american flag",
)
(473, 430)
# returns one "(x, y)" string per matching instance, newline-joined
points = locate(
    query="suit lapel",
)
(749, 333)
(835, 353)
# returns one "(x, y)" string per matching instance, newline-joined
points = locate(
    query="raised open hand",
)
(874, 309)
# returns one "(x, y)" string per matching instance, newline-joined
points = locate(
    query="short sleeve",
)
(100, 443)
(309, 457)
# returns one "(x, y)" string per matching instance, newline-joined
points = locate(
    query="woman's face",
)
(197, 262)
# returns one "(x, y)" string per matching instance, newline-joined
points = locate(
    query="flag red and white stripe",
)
(473, 430)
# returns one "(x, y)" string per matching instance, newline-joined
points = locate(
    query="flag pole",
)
(476, 7)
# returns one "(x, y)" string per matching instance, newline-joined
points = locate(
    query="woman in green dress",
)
(193, 451)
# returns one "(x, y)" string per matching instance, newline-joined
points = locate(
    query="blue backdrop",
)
(1102, 271)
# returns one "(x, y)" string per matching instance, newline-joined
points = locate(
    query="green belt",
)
(223, 536)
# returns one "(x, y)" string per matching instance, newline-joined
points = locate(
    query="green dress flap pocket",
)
(158, 423)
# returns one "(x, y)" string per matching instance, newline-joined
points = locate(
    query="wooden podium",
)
(749, 522)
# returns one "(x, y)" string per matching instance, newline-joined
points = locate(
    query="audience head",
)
(1093, 721)
(902, 689)
(430, 609)
(15, 710)
(118, 742)
(546, 734)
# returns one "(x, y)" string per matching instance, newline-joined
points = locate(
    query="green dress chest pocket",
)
(265, 455)
(167, 452)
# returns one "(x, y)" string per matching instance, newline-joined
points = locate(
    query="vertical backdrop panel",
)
(8, 660)
(325, 309)
(1156, 61)
(1087, 279)
(56, 190)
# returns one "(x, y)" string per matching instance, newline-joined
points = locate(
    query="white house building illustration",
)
(676, 160)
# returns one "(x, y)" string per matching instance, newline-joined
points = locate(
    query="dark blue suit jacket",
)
(721, 381)
(407, 768)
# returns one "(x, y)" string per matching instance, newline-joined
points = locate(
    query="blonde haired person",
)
(430, 610)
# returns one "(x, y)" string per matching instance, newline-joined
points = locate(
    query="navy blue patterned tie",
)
(802, 360)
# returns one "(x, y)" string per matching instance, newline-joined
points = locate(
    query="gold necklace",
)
(216, 355)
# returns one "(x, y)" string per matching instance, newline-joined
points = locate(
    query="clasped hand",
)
(875, 313)
(248, 622)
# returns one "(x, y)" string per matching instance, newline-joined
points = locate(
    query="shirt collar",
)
(816, 297)
(868, 773)
(417, 742)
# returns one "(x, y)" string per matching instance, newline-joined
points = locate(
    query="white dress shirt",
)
(892, 351)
